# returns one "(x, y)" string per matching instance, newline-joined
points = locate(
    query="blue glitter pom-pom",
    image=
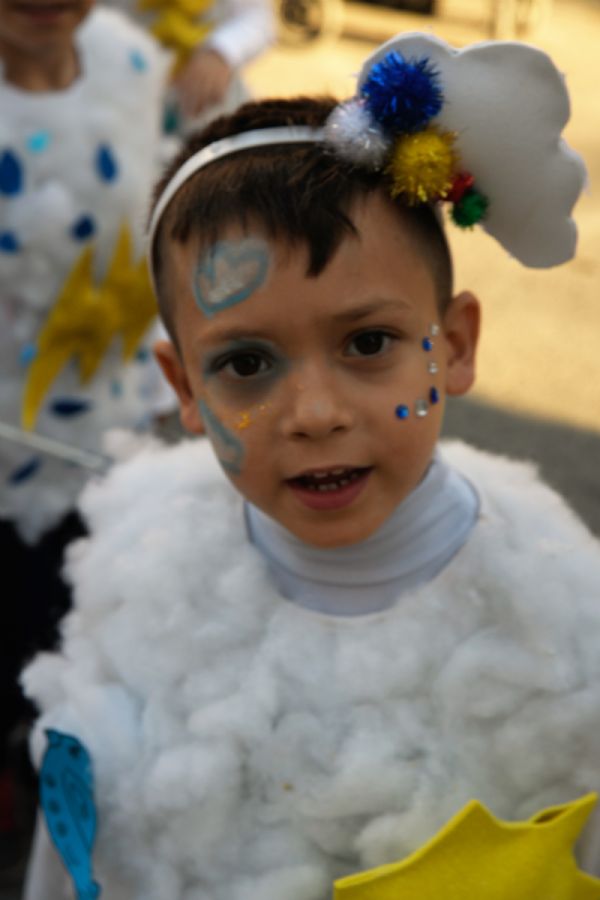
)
(403, 95)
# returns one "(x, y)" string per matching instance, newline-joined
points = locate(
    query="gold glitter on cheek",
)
(243, 421)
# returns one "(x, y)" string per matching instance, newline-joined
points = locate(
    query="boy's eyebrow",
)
(373, 306)
(237, 333)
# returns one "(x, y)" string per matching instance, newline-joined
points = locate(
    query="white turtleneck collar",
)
(415, 543)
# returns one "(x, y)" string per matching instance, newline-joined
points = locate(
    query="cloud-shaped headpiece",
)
(479, 128)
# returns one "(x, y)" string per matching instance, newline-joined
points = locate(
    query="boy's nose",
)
(316, 407)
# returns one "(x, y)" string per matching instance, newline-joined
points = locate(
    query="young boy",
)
(75, 177)
(306, 672)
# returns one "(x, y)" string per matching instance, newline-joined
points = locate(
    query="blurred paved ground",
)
(538, 389)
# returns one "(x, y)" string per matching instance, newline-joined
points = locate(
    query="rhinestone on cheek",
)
(434, 395)
(402, 411)
(427, 344)
(421, 408)
(433, 368)
(435, 329)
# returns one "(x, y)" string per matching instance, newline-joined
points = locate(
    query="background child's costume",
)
(239, 30)
(76, 166)
(258, 748)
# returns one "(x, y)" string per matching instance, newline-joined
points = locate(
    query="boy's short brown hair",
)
(301, 194)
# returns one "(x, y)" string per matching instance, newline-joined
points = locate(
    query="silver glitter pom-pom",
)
(355, 136)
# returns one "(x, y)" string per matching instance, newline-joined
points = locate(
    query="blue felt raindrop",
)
(25, 471)
(28, 354)
(106, 163)
(68, 407)
(403, 95)
(83, 228)
(38, 141)
(11, 174)
(138, 60)
(9, 242)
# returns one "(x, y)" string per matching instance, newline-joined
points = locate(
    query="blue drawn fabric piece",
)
(38, 141)
(9, 242)
(68, 407)
(25, 471)
(11, 174)
(67, 801)
(106, 163)
(83, 228)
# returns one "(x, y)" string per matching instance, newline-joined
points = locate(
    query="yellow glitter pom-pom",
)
(422, 165)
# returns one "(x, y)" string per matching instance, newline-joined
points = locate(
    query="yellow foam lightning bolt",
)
(479, 857)
(85, 320)
(176, 23)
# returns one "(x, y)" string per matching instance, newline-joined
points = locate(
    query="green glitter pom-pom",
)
(470, 209)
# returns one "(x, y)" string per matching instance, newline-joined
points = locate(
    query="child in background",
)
(80, 101)
(212, 41)
(302, 671)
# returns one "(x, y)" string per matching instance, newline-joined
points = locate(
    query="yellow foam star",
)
(479, 857)
(86, 318)
(176, 24)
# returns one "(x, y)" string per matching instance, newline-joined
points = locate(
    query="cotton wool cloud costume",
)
(74, 183)
(245, 745)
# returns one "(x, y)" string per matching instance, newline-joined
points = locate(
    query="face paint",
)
(244, 370)
(229, 450)
(229, 272)
(422, 405)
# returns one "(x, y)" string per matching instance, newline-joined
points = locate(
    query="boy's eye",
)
(245, 365)
(369, 343)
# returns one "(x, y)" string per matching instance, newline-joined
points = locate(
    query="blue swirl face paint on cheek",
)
(229, 449)
(229, 272)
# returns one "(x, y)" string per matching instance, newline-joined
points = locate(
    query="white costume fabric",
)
(240, 31)
(244, 746)
(75, 165)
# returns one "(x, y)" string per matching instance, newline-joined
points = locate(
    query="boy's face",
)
(33, 25)
(323, 397)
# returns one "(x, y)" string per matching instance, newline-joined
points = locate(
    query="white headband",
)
(479, 128)
(246, 140)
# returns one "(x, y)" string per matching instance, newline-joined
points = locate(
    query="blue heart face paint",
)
(229, 272)
(228, 448)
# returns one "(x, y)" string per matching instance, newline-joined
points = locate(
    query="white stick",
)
(84, 458)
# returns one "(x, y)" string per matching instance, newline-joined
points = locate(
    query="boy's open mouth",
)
(330, 488)
(328, 479)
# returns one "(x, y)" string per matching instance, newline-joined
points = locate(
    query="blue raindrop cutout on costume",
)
(11, 174)
(67, 799)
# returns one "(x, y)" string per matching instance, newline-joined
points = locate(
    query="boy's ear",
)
(461, 330)
(169, 360)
